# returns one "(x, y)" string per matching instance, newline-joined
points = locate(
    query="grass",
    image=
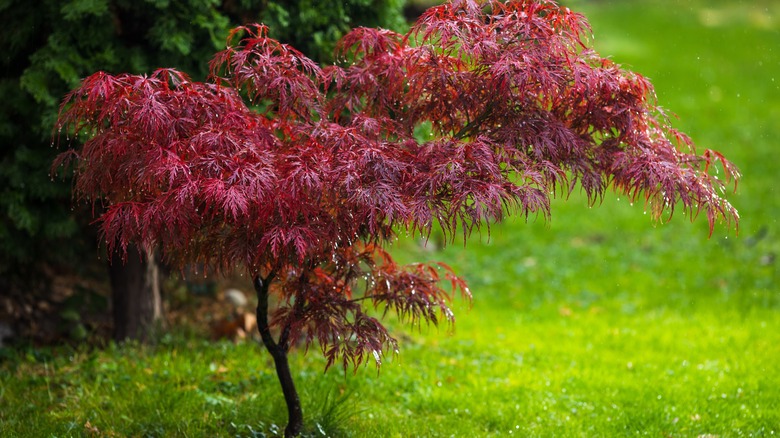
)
(599, 323)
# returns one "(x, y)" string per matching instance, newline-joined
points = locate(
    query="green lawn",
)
(598, 323)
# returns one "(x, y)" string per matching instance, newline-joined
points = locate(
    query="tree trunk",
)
(279, 353)
(135, 288)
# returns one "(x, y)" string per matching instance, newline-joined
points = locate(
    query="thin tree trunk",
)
(279, 353)
(135, 289)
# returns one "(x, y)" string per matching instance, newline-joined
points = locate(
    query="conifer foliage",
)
(300, 175)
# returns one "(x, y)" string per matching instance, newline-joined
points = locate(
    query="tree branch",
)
(369, 297)
(298, 310)
(473, 125)
(261, 287)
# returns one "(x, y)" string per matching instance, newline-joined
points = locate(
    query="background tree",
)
(482, 109)
(49, 47)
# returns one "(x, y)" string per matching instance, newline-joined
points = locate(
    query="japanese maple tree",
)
(301, 175)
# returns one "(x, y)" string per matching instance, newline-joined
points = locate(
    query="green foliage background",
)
(50, 45)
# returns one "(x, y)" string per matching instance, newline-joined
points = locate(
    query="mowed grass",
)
(598, 323)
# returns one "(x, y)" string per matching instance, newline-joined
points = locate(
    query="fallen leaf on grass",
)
(92, 430)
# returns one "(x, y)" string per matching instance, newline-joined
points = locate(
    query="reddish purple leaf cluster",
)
(303, 174)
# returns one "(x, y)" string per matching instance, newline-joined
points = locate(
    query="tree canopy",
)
(317, 159)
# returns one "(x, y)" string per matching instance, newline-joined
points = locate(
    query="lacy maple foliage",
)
(303, 174)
